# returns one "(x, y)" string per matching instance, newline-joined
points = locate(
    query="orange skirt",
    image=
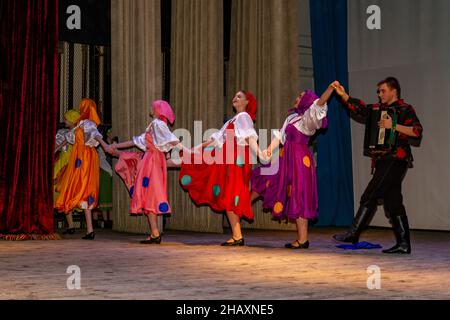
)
(79, 185)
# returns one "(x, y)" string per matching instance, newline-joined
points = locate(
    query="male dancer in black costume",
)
(390, 168)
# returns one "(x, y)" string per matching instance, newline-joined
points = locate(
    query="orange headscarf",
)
(88, 110)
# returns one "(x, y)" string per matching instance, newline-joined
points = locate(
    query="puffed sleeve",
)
(139, 141)
(163, 138)
(91, 133)
(70, 137)
(243, 128)
(312, 118)
(60, 137)
(219, 136)
(281, 134)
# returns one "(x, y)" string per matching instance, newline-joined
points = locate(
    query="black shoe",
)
(401, 231)
(152, 240)
(234, 243)
(360, 222)
(69, 231)
(89, 236)
(304, 245)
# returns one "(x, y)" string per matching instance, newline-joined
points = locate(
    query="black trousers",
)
(386, 185)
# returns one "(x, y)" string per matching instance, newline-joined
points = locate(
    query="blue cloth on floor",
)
(359, 245)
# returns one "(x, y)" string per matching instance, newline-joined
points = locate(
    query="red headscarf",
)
(163, 111)
(251, 106)
(88, 111)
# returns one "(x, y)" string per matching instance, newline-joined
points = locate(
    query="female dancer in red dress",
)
(219, 176)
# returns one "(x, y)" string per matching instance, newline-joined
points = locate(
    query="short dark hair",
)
(392, 83)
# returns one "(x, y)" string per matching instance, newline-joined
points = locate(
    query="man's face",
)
(386, 94)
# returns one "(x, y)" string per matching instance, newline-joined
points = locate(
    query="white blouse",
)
(61, 138)
(90, 133)
(161, 135)
(243, 129)
(308, 123)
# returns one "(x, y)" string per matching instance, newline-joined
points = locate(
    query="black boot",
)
(401, 230)
(360, 222)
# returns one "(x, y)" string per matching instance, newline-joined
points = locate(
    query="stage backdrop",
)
(412, 45)
(28, 109)
(136, 81)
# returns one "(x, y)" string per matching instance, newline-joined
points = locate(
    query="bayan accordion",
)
(380, 141)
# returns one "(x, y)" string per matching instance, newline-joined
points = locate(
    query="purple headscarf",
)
(305, 103)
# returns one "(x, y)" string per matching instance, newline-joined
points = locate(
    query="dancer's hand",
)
(113, 151)
(340, 90)
(264, 156)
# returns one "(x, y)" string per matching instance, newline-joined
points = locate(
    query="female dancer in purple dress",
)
(291, 192)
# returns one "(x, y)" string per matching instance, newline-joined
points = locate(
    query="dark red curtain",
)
(28, 111)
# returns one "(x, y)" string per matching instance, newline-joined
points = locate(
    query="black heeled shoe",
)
(234, 243)
(152, 240)
(304, 245)
(69, 231)
(89, 236)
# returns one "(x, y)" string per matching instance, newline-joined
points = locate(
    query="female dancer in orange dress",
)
(79, 185)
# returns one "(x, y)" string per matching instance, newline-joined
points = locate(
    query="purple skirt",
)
(291, 191)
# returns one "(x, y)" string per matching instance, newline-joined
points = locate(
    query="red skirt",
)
(220, 179)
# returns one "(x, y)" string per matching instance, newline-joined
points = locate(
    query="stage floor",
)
(193, 266)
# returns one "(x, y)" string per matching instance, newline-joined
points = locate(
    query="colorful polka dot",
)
(210, 148)
(282, 153)
(216, 190)
(90, 200)
(267, 183)
(145, 182)
(306, 161)
(289, 190)
(131, 191)
(278, 207)
(186, 180)
(236, 200)
(78, 163)
(240, 161)
(164, 207)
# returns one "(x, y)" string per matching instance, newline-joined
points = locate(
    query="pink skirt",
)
(145, 175)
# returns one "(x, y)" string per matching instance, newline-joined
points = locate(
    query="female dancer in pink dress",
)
(145, 174)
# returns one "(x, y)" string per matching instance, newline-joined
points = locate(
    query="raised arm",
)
(326, 95)
(355, 106)
(340, 90)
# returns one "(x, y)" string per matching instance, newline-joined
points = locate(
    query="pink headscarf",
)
(163, 111)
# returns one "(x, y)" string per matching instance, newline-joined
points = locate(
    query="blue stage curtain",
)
(334, 150)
